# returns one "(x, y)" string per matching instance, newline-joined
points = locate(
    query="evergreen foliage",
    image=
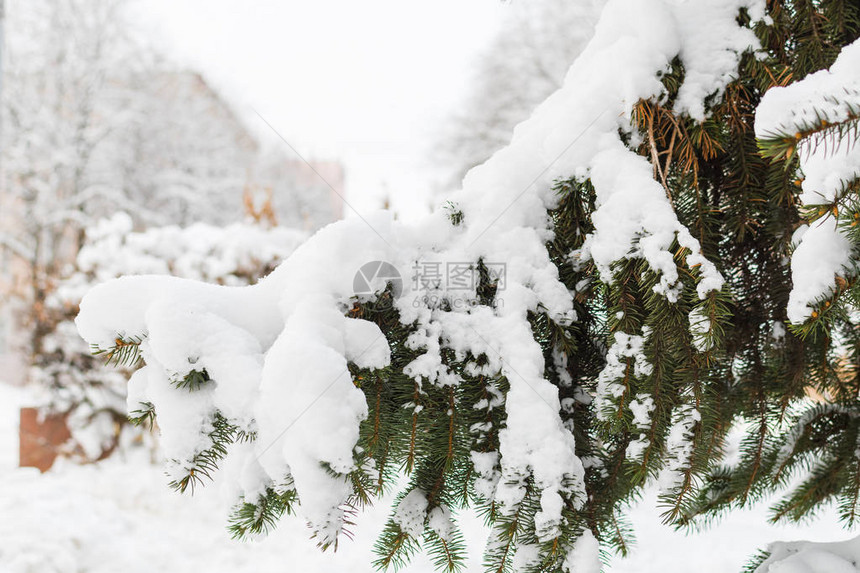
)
(125, 352)
(252, 519)
(220, 433)
(683, 372)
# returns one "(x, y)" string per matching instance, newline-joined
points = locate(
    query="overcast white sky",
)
(364, 81)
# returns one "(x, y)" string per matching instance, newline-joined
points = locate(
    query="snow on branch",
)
(280, 354)
(818, 119)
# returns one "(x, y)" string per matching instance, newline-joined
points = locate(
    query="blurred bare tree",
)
(94, 121)
(58, 58)
(526, 62)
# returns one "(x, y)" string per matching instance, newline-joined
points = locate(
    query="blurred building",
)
(304, 195)
(166, 148)
(190, 156)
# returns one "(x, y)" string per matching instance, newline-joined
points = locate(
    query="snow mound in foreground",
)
(809, 557)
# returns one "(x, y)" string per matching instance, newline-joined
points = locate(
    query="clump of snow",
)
(823, 254)
(635, 219)
(710, 57)
(636, 448)
(486, 468)
(439, 521)
(307, 390)
(679, 445)
(547, 522)
(810, 557)
(411, 513)
(777, 332)
(584, 556)
(642, 406)
(526, 556)
(625, 361)
(700, 329)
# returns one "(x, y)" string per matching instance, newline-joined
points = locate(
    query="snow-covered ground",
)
(120, 515)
